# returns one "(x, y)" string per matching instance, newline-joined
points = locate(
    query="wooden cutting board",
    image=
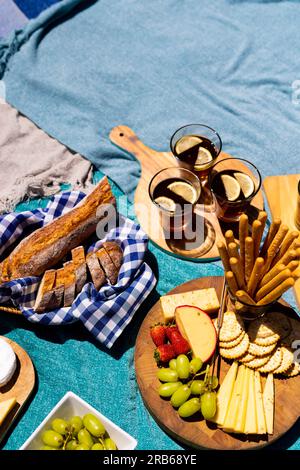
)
(20, 386)
(195, 432)
(282, 193)
(151, 162)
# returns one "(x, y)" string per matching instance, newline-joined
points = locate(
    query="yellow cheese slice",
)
(224, 395)
(260, 412)
(268, 400)
(206, 299)
(250, 422)
(6, 407)
(235, 402)
(241, 416)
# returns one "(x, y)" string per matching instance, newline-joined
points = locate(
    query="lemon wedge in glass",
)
(187, 142)
(231, 186)
(184, 190)
(166, 203)
(246, 183)
(204, 156)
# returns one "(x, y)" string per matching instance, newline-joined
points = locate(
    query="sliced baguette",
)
(78, 258)
(115, 252)
(97, 273)
(48, 245)
(108, 266)
(44, 292)
(69, 283)
(55, 298)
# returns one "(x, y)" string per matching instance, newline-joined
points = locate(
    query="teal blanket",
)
(83, 67)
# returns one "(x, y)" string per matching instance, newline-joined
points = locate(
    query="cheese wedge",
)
(224, 395)
(260, 412)
(241, 416)
(268, 400)
(251, 422)
(235, 402)
(206, 299)
(5, 408)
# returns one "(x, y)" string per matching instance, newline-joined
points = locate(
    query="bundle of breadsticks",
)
(259, 272)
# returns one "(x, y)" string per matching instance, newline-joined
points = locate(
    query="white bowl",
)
(72, 405)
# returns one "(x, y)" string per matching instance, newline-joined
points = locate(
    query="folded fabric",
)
(33, 163)
(105, 313)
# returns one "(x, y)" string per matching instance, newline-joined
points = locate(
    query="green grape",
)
(209, 405)
(109, 444)
(167, 375)
(72, 445)
(213, 382)
(172, 364)
(84, 437)
(76, 423)
(52, 438)
(47, 448)
(60, 426)
(183, 366)
(97, 446)
(93, 425)
(181, 395)
(189, 408)
(167, 389)
(195, 365)
(82, 447)
(197, 387)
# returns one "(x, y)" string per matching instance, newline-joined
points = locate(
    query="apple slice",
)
(197, 327)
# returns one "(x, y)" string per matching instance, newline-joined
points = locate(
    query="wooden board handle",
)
(126, 139)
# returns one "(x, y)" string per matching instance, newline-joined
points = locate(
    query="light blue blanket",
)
(83, 67)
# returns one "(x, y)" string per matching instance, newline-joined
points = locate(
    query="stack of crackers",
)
(267, 345)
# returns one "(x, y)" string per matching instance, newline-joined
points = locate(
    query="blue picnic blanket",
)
(83, 67)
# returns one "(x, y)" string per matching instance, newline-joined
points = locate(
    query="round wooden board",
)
(151, 162)
(20, 386)
(198, 433)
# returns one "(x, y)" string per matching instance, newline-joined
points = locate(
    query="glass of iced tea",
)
(196, 146)
(233, 186)
(175, 192)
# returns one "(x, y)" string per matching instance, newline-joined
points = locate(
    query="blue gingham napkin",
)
(105, 313)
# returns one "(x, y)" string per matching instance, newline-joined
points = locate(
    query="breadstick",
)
(224, 255)
(293, 265)
(277, 293)
(274, 227)
(289, 256)
(231, 281)
(275, 245)
(276, 281)
(286, 244)
(255, 277)
(243, 233)
(262, 218)
(249, 257)
(233, 250)
(236, 267)
(243, 297)
(229, 237)
(272, 273)
(257, 228)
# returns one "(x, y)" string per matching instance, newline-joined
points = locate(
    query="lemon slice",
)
(204, 156)
(187, 142)
(231, 186)
(184, 190)
(166, 203)
(246, 183)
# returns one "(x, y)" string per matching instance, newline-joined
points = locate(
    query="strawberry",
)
(164, 353)
(179, 343)
(170, 330)
(158, 334)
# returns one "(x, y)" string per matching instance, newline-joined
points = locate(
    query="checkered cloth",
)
(105, 313)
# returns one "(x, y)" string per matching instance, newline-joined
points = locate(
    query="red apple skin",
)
(214, 329)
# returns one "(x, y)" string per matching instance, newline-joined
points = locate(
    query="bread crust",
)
(108, 266)
(115, 252)
(78, 258)
(97, 273)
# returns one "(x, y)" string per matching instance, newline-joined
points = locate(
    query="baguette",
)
(97, 273)
(78, 258)
(48, 245)
(115, 253)
(69, 283)
(107, 265)
(44, 293)
(56, 296)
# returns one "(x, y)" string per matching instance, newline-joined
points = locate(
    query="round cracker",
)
(231, 328)
(259, 351)
(232, 344)
(246, 358)
(293, 371)
(238, 351)
(287, 360)
(273, 324)
(273, 363)
(257, 362)
(265, 341)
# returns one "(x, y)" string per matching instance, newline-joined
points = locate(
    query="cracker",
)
(238, 351)
(260, 351)
(273, 363)
(246, 358)
(287, 360)
(232, 344)
(257, 362)
(293, 371)
(232, 327)
(274, 324)
(265, 341)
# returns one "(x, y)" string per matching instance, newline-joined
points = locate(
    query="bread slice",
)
(55, 298)
(78, 258)
(115, 252)
(97, 273)
(69, 283)
(48, 245)
(45, 291)
(108, 266)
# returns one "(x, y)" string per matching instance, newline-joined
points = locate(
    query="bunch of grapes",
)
(87, 433)
(180, 382)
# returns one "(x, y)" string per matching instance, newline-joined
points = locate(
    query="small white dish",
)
(72, 405)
